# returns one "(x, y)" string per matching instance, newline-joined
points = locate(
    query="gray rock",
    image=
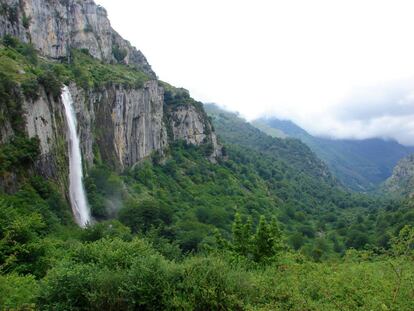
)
(129, 123)
(402, 180)
(189, 125)
(57, 26)
(192, 125)
(45, 120)
(125, 125)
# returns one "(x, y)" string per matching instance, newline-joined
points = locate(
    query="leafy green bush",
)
(106, 229)
(18, 292)
(108, 275)
(51, 83)
(119, 53)
(20, 153)
(11, 102)
(26, 21)
(264, 246)
(20, 248)
(28, 51)
(30, 89)
(10, 41)
(142, 216)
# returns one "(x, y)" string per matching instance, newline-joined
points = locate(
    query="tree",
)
(141, 216)
(262, 246)
(297, 240)
(263, 242)
(403, 244)
(240, 240)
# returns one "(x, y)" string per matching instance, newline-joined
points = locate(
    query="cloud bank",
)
(385, 110)
(337, 68)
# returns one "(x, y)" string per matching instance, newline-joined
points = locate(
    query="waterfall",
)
(76, 189)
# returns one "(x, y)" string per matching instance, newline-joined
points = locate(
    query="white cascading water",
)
(76, 189)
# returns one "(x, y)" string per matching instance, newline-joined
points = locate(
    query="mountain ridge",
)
(361, 165)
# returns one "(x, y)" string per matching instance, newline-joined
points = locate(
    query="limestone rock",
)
(122, 125)
(402, 180)
(57, 26)
(191, 124)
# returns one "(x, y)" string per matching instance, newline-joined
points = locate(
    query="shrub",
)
(18, 292)
(21, 152)
(141, 216)
(107, 229)
(11, 103)
(51, 83)
(29, 51)
(26, 21)
(108, 275)
(30, 89)
(10, 41)
(119, 53)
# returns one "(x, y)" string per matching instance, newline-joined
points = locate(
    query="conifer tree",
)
(263, 242)
(239, 242)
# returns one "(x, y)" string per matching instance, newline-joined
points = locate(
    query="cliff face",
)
(45, 119)
(191, 125)
(402, 180)
(57, 26)
(119, 124)
(125, 124)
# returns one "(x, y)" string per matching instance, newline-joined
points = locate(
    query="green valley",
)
(190, 207)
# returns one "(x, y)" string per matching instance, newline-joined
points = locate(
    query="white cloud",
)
(316, 62)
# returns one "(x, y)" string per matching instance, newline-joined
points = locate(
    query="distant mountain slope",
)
(361, 165)
(236, 131)
(402, 180)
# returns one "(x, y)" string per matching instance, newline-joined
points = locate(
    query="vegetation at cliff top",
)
(20, 63)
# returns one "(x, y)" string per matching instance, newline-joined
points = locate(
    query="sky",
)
(341, 69)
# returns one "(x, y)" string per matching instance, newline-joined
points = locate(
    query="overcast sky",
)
(337, 68)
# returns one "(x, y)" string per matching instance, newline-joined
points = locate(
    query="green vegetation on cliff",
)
(20, 64)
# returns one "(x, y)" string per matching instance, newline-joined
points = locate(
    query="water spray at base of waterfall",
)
(77, 194)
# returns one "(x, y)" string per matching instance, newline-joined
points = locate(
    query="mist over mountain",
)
(361, 165)
(119, 191)
(333, 79)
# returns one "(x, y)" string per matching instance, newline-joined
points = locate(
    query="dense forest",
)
(266, 228)
(361, 165)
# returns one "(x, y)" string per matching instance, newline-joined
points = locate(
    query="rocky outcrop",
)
(120, 125)
(56, 26)
(6, 130)
(190, 123)
(125, 124)
(217, 149)
(45, 120)
(402, 180)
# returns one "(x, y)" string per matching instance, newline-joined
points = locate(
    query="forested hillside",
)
(192, 209)
(361, 165)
